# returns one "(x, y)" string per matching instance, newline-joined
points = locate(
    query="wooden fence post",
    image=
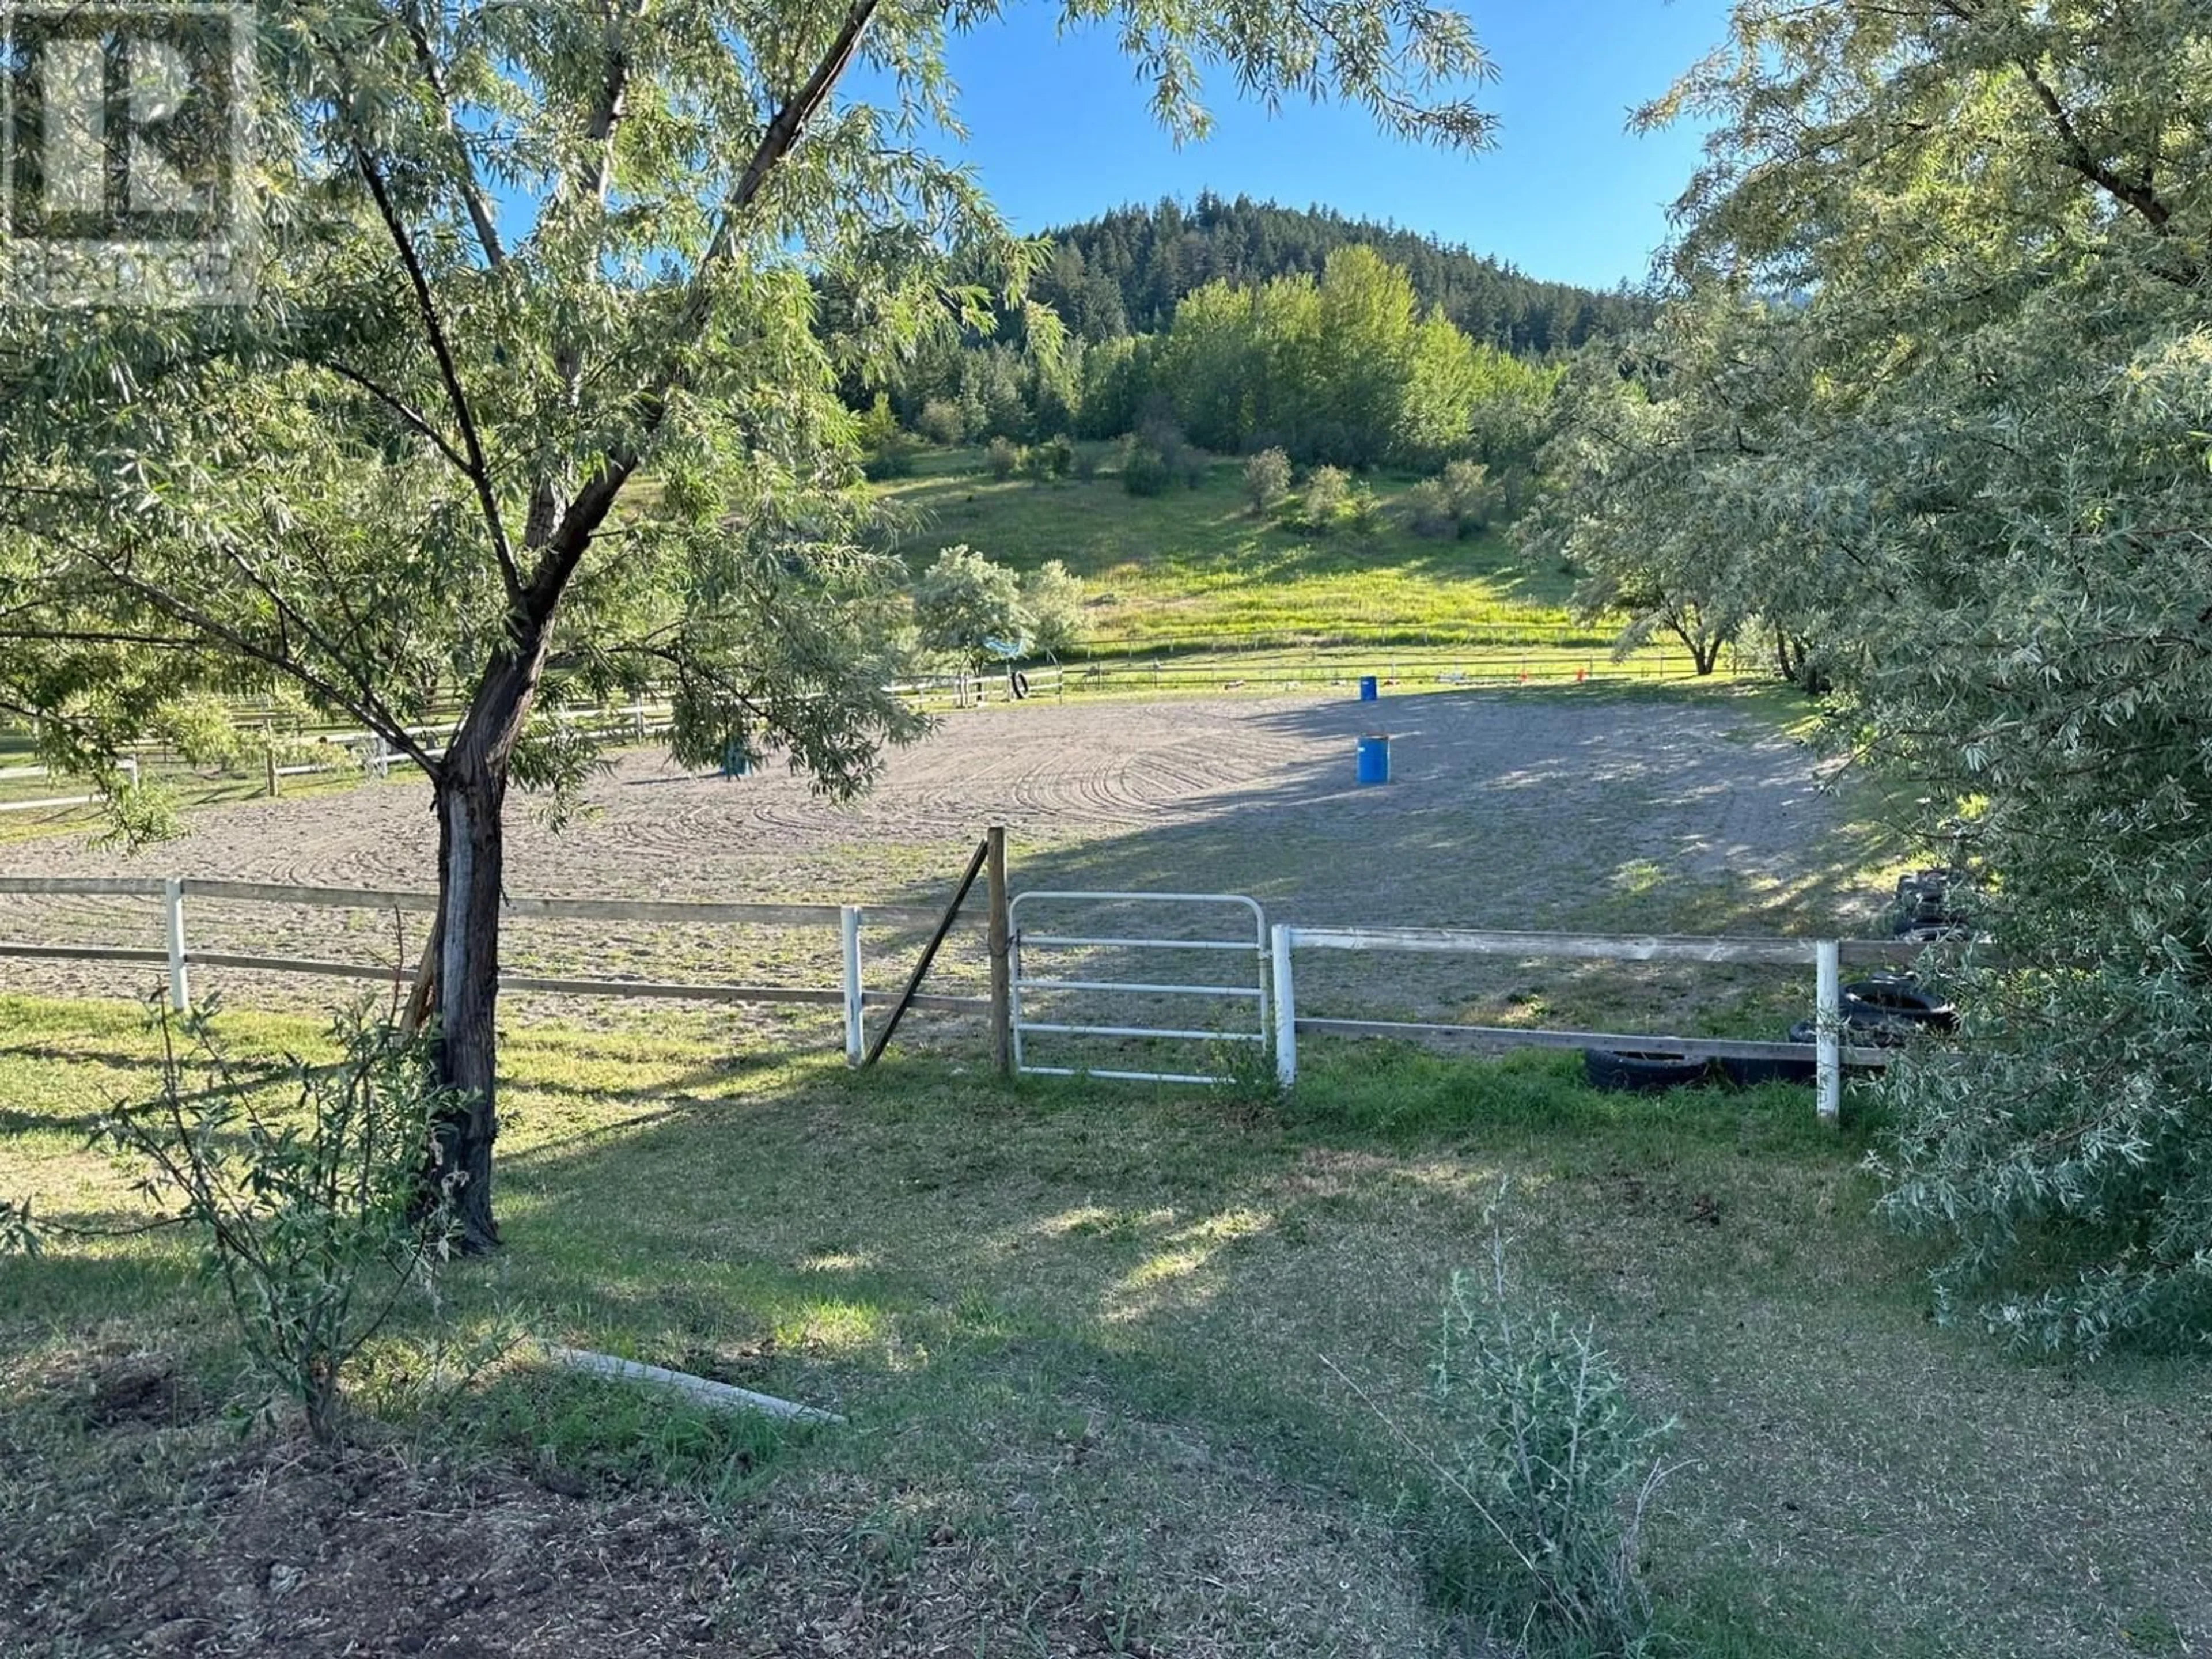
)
(269, 755)
(928, 954)
(1002, 1022)
(172, 906)
(848, 917)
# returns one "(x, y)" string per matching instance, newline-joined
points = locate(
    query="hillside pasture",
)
(1196, 567)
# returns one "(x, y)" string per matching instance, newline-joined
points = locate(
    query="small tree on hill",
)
(940, 422)
(1054, 601)
(966, 607)
(1266, 478)
(1325, 495)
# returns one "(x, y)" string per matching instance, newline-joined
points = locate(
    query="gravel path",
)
(1508, 809)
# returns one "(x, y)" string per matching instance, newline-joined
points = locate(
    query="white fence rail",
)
(130, 767)
(178, 959)
(1276, 991)
(1828, 1052)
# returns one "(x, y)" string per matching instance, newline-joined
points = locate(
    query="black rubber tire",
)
(1896, 1001)
(1018, 682)
(1920, 919)
(1636, 1072)
(1857, 1033)
(1750, 1073)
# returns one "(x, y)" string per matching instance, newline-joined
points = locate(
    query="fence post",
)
(1286, 1008)
(173, 905)
(1002, 1020)
(269, 755)
(1828, 1012)
(849, 920)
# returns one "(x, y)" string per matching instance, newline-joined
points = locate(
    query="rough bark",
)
(471, 797)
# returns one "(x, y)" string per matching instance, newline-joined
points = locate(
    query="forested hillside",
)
(1125, 272)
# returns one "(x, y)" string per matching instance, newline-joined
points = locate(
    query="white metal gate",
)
(1253, 947)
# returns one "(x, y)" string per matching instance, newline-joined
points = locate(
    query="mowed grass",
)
(1084, 1334)
(1197, 568)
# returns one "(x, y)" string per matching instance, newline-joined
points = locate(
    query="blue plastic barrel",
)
(1368, 689)
(1375, 759)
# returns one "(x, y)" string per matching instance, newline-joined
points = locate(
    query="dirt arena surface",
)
(1594, 811)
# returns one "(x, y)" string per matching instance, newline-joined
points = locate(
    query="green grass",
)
(1197, 568)
(1084, 1333)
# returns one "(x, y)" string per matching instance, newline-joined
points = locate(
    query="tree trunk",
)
(470, 852)
(471, 795)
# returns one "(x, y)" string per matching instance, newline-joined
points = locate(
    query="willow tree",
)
(1963, 434)
(532, 397)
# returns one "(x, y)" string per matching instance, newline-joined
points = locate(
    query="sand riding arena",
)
(1591, 810)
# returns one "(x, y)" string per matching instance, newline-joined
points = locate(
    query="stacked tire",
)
(1930, 906)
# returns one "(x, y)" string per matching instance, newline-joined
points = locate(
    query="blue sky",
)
(1059, 132)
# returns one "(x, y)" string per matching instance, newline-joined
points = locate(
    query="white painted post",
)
(848, 917)
(130, 770)
(1828, 1019)
(1286, 1009)
(173, 903)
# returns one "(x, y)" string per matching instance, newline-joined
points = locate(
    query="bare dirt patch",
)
(276, 1548)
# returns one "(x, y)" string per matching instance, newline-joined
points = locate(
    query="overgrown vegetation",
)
(304, 1190)
(1961, 478)
(1548, 1473)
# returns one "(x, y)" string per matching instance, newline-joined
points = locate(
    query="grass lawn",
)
(1197, 568)
(1082, 1335)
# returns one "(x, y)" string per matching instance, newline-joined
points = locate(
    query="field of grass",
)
(1196, 567)
(1084, 1335)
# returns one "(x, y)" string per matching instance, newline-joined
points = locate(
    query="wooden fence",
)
(177, 959)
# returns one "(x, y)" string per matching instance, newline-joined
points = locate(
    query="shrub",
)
(1054, 601)
(1056, 456)
(963, 603)
(1365, 513)
(886, 449)
(1083, 462)
(311, 1214)
(1001, 458)
(941, 422)
(200, 727)
(1472, 494)
(1145, 470)
(1266, 478)
(1324, 499)
(1547, 1472)
(1429, 509)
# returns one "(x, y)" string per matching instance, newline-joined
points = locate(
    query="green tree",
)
(1967, 464)
(514, 261)
(1052, 599)
(1266, 478)
(968, 609)
(1327, 493)
(939, 422)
